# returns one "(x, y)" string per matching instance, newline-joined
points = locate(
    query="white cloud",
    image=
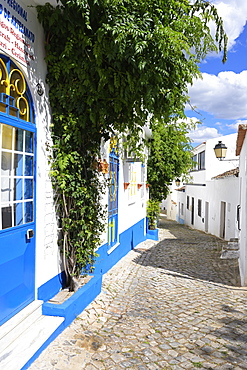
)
(224, 96)
(234, 126)
(234, 15)
(203, 133)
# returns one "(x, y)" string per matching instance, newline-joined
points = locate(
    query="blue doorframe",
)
(17, 191)
(113, 197)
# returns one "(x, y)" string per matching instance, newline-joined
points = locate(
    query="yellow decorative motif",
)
(113, 144)
(113, 184)
(111, 231)
(14, 86)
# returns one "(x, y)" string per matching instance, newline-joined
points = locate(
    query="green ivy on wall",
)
(111, 65)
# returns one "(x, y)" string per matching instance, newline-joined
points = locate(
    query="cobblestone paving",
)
(172, 304)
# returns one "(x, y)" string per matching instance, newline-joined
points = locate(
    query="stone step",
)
(234, 245)
(24, 334)
(229, 254)
(11, 329)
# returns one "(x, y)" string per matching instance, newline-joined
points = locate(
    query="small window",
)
(188, 202)
(238, 217)
(182, 209)
(201, 161)
(194, 163)
(199, 207)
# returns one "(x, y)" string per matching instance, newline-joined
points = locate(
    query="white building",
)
(209, 200)
(31, 270)
(241, 150)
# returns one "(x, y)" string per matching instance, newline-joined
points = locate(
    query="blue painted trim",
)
(180, 220)
(51, 287)
(70, 309)
(73, 306)
(127, 241)
(153, 234)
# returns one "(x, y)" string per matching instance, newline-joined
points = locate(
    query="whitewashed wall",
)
(214, 166)
(131, 209)
(215, 192)
(30, 59)
(201, 186)
(171, 203)
(31, 62)
(243, 214)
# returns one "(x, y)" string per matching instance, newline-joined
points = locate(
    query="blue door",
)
(17, 179)
(113, 195)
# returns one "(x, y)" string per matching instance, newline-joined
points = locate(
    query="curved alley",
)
(172, 304)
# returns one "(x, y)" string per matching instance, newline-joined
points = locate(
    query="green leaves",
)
(169, 156)
(111, 65)
(153, 211)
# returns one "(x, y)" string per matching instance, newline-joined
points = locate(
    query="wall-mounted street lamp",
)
(220, 152)
(177, 182)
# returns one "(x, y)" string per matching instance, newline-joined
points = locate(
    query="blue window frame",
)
(113, 197)
(17, 158)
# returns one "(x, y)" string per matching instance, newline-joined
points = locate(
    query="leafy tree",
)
(169, 156)
(111, 64)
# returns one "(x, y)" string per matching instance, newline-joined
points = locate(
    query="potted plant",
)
(153, 211)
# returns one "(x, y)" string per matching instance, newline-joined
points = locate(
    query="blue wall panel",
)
(73, 306)
(127, 241)
(51, 287)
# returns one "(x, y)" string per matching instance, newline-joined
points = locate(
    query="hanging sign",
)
(17, 37)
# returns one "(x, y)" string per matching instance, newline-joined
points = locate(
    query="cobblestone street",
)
(172, 304)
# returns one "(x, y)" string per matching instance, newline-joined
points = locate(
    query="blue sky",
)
(220, 97)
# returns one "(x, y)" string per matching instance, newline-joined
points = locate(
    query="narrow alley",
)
(172, 304)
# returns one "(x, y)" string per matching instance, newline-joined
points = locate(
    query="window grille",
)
(16, 147)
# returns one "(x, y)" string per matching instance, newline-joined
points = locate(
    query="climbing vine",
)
(111, 65)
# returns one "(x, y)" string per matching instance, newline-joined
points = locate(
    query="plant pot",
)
(126, 184)
(103, 166)
(139, 186)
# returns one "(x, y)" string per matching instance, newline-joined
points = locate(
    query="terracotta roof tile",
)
(240, 139)
(229, 173)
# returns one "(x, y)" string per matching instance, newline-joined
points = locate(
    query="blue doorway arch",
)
(17, 190)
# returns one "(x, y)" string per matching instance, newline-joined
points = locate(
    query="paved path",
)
(168, 305)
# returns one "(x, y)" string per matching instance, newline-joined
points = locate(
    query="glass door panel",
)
(7, 132)
(17, 182)
(17, 176)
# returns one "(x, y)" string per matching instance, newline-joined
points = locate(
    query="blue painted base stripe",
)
(51, 287)
(153, 234)
(74, 305)
(70, 309)
(127, 241)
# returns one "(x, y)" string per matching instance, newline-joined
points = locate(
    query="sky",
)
(220, 97)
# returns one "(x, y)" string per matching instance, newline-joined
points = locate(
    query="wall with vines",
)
(111, 65)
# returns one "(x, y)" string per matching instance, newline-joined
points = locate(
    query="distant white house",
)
(209, 200)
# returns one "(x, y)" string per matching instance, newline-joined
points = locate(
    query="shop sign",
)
(17, 35)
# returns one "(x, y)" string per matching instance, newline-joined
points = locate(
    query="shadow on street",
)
(191, 254)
